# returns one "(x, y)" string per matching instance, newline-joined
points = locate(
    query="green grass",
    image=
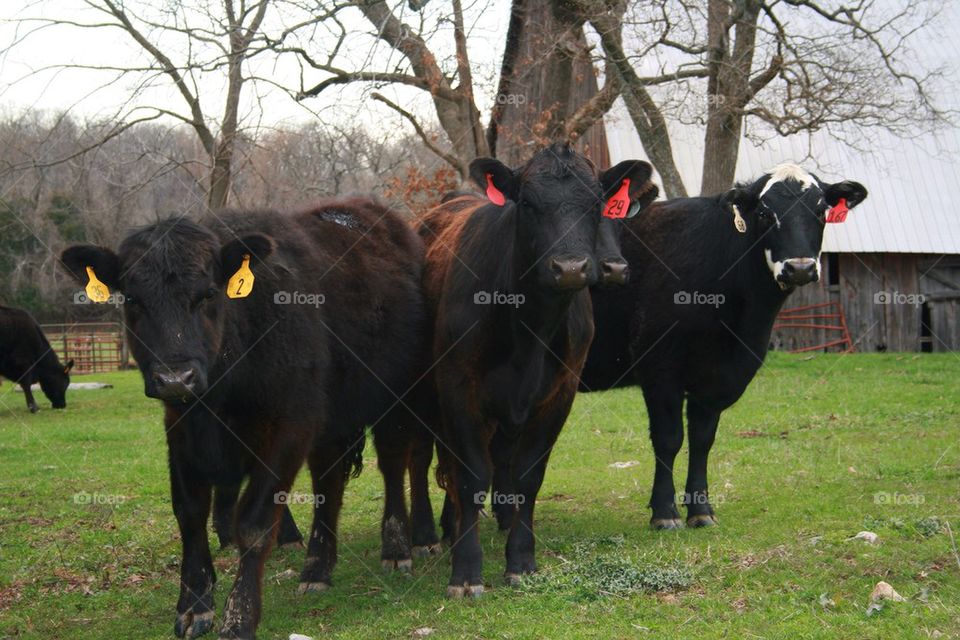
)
(817, 450)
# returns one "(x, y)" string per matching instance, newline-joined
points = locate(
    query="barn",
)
(891, 272)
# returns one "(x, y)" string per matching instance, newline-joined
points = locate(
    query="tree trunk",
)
(546, 76)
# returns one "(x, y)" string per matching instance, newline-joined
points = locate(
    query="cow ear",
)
(256, 245)
(68, 366)
(744, 200)
(853, 192)
(104, 262)
(496, 179)
(629, 179)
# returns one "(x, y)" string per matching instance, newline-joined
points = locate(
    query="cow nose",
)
(800, 271)
(570, 273)
(614, 272)
(175, 384)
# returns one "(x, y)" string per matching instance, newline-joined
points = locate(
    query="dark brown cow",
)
(327, 341)
(26, 357)
(506, 283)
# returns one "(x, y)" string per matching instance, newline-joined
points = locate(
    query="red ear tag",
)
(494, 194)
(619, 203)
(838, 212)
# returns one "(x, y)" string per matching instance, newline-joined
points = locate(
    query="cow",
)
(26, 357)
(270, 338)
(505, 279)
(696, 325)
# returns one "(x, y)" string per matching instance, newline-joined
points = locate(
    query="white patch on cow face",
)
(788, 171)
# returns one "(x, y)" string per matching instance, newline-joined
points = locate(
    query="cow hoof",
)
(426, 550)
(193, 625)
(403, 566)
(661, 524)
(513, 579)
(473, 591)
(312, 587)
(34, 409)
(702, 520)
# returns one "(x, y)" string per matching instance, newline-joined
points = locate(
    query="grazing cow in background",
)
(324, 343)
(696, 325)
(506, 283)
(26, 357)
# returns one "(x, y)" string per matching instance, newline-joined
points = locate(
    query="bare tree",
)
(183, 42)
(779, 66)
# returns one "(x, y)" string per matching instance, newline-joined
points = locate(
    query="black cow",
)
(506, 283)
(696, 324)
(327, 340)
(26, 357)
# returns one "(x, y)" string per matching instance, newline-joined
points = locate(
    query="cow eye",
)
(211, 292)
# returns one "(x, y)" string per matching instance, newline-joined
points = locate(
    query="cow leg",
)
(256, 527)
(448, 521)
(702, 427)
(28, 394)
(469, 481)
(224, 503)
(424, 531)
(289, 535)
(501, 451)
(329, 468)
(665, 407)
(527, 470)
(393, 452)
(191, 506)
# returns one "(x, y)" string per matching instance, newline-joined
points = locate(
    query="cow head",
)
(54, 382)
(173, 278)
(785, 211)
(560, 199)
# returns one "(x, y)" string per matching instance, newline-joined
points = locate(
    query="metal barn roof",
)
(914, 185)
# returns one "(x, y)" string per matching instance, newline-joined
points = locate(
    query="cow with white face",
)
(694, 325)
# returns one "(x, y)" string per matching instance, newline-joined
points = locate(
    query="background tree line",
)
(397, 96)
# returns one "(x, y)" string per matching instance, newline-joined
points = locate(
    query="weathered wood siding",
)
(883, 297)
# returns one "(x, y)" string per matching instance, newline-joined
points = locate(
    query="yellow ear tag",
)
(241, 283)
(96, 290)
(738, 220)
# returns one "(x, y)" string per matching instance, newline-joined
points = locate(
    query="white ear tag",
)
(738, 220)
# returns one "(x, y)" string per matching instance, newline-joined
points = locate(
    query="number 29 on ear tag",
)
(241, 283)
(96, 290)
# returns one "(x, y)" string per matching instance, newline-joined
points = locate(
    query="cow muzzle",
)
(614, 272)
(178, 384)
(570, 273)
(799, 271)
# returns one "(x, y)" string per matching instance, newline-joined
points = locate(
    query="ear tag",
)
(241, 283)
(619, 203)
(634, 209)
(96, 290)
(493, 194)
(838, 212)
(738, 220)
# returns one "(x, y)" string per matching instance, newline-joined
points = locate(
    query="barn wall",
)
(885, 298)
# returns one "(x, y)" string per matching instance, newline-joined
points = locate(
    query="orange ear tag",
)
(241, 283)
(619, 203)
(96, 290)
(495, 195)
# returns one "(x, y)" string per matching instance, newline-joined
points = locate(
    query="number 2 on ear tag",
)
(241, 283)
(96, 290)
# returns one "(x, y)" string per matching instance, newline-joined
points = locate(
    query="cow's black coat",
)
(26, 357)
(695, 320)
(253, 386)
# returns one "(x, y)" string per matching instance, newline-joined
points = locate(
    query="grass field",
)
(817, 450)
